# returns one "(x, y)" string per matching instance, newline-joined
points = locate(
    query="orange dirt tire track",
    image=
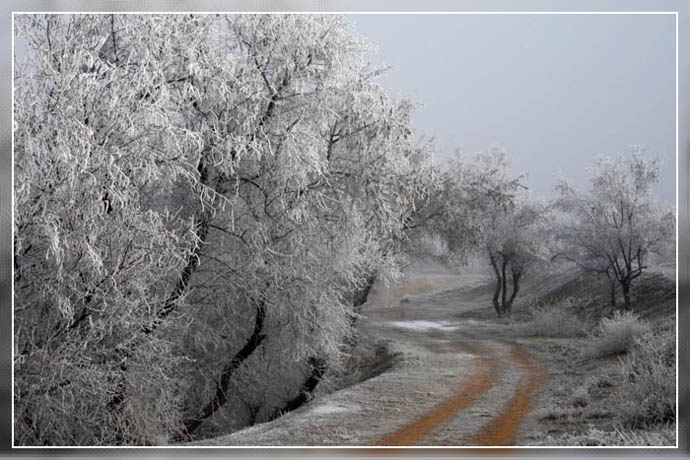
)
(480, 381)
(502, 429)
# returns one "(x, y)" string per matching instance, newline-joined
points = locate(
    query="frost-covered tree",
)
(198, 198)
(515, 242)
(477, 191)
(92, 253)
(482, 209)
(618, 222)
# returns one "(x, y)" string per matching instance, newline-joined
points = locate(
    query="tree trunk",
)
(203, 220)
(517, 274)
(499, 283)
(220, 398)
(115, 404)
(612, 282)
(193, 261)
(504, 287)
(318, 368)
(625, 285)
(202, 224)
(359, 298)
(497, 295)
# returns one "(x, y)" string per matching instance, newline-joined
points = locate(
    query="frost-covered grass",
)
(648, 394)
(422, 325)
(617, 334)
(331, 408)
(663, 436)
(630, 401)
(615, 384)
(556, 320)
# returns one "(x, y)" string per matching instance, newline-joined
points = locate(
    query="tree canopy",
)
(190, 190)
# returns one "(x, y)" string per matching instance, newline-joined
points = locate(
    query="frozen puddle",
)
(423, 325)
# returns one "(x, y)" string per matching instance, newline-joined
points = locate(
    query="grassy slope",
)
(579, 403)
(583, 402)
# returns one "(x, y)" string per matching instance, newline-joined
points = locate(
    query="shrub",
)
(648, 395)
(618, 334)
(554, 321)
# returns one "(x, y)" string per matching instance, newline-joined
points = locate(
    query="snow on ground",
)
(326, 409)
(423, 325)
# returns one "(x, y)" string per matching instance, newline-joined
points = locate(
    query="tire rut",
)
(502, 429)
(472, 386)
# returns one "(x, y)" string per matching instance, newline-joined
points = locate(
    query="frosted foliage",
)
(613, 227)
(474, 191)
(176, 175)
(514, 230)
(483, 209)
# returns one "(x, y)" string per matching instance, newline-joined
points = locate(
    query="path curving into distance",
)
(489, 404)
(455, 381)
(499, 430)
(473, 385)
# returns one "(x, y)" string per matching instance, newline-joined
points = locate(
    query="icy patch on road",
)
(422, 325)
(473, 322)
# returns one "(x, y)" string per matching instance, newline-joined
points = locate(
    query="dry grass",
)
(617, 334)
(616, 385)
(399, 293)
(555, 320)
(593, 436)
(648, 394)
(614, 402)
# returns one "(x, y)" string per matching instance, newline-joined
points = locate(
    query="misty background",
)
(554, 91)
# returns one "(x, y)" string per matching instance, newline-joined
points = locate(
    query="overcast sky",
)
(554, 91)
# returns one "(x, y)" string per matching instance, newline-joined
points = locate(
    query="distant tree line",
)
(612, 229)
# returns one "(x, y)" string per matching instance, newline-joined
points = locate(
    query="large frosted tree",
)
(199, 202)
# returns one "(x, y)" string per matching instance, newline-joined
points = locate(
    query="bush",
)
(617, 334)
(648, 396)
(554, 321)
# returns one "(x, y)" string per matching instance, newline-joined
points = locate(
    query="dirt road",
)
(451, 384)
(494, 391)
